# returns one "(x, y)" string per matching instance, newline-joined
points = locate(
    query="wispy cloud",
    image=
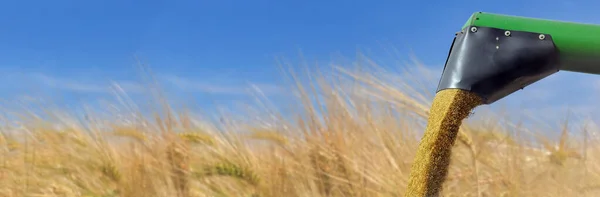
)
(68, 84)
(199, 86)
(106, 86)
(88, 85)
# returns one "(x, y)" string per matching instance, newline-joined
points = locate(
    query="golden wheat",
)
(355, 137)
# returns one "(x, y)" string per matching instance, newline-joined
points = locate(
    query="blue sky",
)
(206, 51)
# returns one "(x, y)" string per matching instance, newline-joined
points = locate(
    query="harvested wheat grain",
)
(431, 163)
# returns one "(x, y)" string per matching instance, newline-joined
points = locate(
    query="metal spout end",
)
(494, 63)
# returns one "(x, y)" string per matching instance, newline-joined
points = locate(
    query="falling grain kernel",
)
(431, 163)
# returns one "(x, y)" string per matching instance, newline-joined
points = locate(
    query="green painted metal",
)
(578, 43)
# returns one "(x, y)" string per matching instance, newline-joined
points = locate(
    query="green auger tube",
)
(495, 55)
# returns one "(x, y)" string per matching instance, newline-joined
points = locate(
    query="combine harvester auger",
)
(492, 57)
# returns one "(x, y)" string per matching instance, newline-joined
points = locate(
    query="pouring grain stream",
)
(431, 163)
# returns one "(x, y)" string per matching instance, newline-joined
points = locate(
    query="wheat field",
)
(348, 132)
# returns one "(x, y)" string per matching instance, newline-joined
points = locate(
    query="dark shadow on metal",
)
(495, 63)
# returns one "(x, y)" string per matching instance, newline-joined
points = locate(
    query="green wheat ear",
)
(197, 138)
(10, 143)
(269, 135)
(130, 132)
(231, 170)
(110, 170)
